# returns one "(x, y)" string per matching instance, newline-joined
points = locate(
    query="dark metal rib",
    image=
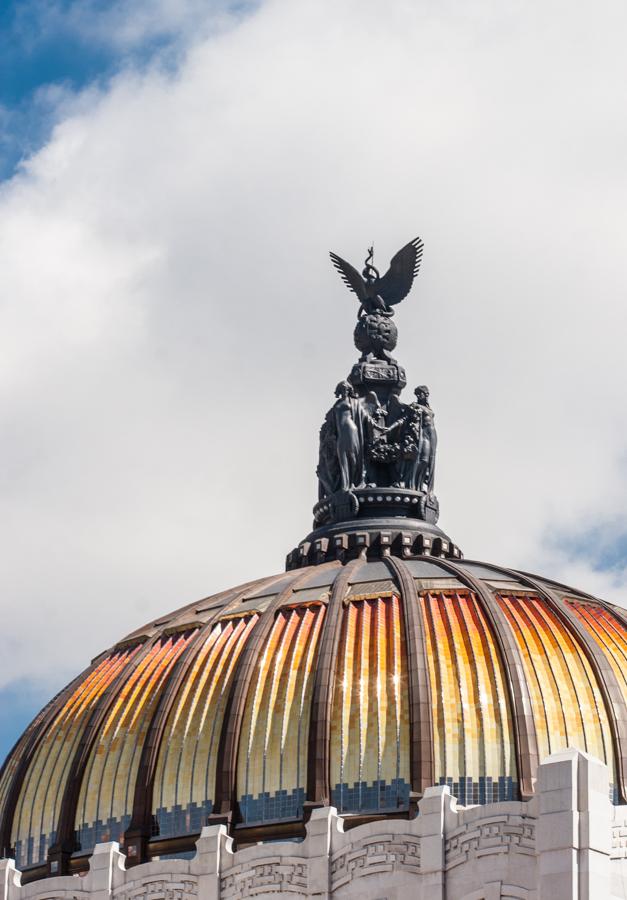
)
(421, 761)
(524, 728)
(318, 755)
(617, 611)
(226, 768)
(141, 820)
(40, 729)
(65, 840)
(613, 697)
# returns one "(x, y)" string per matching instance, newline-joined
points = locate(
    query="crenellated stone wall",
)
(568, 843)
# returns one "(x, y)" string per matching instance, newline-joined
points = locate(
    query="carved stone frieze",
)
(496, 834)
(619, 842)
(372, 856)
(271, 876)
(185, 888)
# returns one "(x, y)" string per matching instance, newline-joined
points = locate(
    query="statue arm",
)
(395, 426)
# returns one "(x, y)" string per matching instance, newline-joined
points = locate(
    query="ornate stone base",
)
(569, 841)
(376, 501)
(385, 377)
(373, 537)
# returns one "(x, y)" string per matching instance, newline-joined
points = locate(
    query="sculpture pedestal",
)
(376, 502)
(373, 537)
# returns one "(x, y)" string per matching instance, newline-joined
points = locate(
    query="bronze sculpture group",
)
(369, 438)
(355, 444)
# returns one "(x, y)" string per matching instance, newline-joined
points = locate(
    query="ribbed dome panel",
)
(186, 771)
(272, 759)
(38, 807)
(473, 731)
(568, 708)
(354, 684)
(370, 715)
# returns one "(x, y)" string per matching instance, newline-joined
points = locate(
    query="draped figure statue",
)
(425, 472)
(349, 414)
(342, 443)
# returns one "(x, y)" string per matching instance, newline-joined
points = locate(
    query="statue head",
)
(422, 393)
(344, 389)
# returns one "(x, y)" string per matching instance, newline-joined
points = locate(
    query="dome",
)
(379, 665)
(355, 683)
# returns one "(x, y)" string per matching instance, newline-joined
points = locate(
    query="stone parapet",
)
(567, 843)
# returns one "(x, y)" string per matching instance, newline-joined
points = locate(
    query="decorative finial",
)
(377, 454)
(378, 294)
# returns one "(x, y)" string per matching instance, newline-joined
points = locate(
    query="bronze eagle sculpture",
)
(377, 294)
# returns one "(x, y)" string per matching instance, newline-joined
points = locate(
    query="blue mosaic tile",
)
(377, 796)
(484, 790)
(87, 836)
(278, 805)
(180, 819)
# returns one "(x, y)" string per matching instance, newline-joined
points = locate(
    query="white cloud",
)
(172, 330)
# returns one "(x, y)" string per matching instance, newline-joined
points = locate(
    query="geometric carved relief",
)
(494, 834)
(619, 842)
(183, 888)
(272, 876)
(371, 856)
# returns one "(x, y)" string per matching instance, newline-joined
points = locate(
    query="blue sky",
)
(33, 57)
(19, 702)
(40, 51)
(37, 51)
(50, 49)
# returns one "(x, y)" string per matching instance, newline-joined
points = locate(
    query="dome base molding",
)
(373, 538)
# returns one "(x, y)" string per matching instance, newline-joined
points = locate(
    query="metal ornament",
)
(369, 439)
(378, 294)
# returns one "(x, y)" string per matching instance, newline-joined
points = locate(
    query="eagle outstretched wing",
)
(350, 276)
(397, 281)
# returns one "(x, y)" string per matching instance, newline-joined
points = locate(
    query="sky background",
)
(173, 175)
